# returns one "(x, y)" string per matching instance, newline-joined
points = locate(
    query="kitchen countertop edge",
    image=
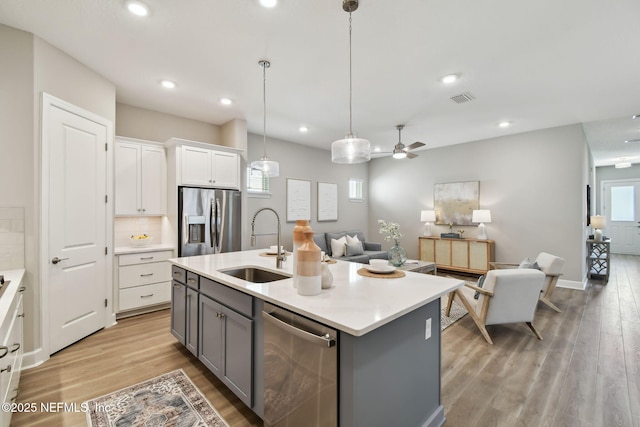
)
(354, 304)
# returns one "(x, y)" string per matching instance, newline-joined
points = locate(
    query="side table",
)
(598, 253)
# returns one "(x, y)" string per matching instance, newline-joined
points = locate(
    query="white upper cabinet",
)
(203, 167)
(141, 179)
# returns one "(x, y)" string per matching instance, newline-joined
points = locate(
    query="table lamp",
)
(427, 217)
(598, 222)
(481, 216)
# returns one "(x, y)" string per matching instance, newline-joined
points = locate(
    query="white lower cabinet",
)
(11, 354)
(144, 280)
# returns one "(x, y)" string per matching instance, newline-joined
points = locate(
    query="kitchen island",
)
(388, 333)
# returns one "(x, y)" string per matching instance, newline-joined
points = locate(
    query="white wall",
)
(534, 184)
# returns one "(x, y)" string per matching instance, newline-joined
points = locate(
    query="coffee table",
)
(419, 266)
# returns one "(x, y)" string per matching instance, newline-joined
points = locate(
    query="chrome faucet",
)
(280, 255)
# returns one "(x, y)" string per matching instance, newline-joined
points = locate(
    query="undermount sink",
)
(254, 274)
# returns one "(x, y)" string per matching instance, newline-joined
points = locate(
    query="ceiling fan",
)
(400, 151)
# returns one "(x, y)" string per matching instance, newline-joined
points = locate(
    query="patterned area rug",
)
(457, 313)
(168, 400)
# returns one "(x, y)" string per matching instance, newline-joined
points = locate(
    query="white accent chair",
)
(551, 266)
(507, 296)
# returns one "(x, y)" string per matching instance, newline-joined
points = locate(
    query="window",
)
(257, 182)
(622, 203)
(355, 190)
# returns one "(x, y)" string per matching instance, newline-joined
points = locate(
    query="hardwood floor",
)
(586, 371)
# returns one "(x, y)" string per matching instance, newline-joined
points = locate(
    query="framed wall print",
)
(454, 202)
(298, 199)
(327, 201)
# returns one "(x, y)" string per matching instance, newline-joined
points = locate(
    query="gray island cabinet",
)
(388, 333)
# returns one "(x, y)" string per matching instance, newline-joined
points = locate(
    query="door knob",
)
(56, 260)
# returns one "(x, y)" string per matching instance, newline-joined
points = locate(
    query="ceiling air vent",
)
(462, 98)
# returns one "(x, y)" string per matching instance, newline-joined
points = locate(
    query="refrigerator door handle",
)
(213, 219)
(185, 230)
(219, 218)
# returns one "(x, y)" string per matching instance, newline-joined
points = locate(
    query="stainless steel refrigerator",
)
(208, 221)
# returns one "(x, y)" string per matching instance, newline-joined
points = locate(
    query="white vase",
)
(326, 276)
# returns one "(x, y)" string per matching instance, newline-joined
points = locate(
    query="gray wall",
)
(306, 163)
(533, 183)
(32, 66)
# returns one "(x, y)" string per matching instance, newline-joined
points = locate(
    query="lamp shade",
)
(266, 166)
(351, 150)
(598, 221)
(481, 216)
(427, 216)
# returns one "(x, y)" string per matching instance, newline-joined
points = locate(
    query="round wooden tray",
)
(395, 275)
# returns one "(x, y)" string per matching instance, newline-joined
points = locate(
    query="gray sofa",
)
(370, 249)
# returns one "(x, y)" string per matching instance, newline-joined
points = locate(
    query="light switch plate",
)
(427, 330)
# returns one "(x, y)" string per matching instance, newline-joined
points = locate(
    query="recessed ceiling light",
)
(623, 165)
(137, 8)
(226, 101)
(168, 84)
(268, 3)
(504, 124)
(449, 78)
(303, 129)
(377, 150)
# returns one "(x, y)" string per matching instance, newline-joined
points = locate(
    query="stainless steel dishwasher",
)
(300, 370)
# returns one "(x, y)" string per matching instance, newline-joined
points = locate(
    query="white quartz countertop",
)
(355, 304)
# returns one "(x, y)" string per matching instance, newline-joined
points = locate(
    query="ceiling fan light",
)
(350, 150)
(399, 154)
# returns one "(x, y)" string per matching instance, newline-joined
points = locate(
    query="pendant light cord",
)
(350, 80)
(264, 104)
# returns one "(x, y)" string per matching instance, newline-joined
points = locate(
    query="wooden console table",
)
(598, 253)
(464, 255)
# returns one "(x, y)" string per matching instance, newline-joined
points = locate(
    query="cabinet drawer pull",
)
(146, 275)
(20, 315)
(22, 289)
(146, 296)
(191, 280)
(5, 349)
(175, 285)
(177, 273)
(15, 396)
(17, 347)
(7, 369)
(142, 258)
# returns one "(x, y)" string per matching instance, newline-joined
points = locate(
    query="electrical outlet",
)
(427, 330)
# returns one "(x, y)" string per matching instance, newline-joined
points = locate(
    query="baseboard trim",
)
(33, 358)
(572, 284)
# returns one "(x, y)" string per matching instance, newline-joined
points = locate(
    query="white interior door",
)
(76, 163)
(621, 206)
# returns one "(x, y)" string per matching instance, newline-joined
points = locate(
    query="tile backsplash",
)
(123, 228)
(11, 238)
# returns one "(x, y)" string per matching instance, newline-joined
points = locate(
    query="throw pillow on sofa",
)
(338, 247)
(354, 248)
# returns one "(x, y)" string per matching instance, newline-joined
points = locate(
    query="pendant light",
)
(266, 166)
(350, 149)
